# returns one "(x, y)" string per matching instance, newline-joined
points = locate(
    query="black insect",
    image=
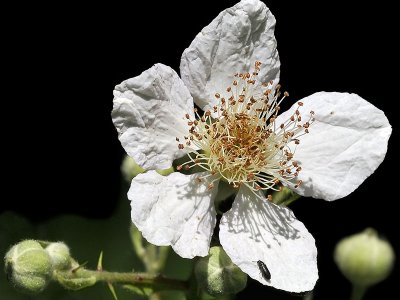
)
(266, 274)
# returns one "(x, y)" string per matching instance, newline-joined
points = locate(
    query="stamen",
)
(240, 140)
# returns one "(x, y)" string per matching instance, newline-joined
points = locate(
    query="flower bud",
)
(130, 168)
(28, 266)
(364, 258)
(218, 275)
(59, 255)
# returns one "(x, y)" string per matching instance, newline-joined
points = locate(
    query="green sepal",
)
(284, 197)
(75, 282)
(166, 172)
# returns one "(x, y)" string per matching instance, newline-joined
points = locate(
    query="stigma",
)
(240, 141)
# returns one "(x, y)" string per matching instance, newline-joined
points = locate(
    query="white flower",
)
(325, 146)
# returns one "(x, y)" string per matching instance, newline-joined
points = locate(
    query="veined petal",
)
(174, 210)
(258, 230)
(346, 143)
(237, 38)
(149, 113)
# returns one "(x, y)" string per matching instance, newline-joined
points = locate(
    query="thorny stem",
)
(158, 282)
(141, 279)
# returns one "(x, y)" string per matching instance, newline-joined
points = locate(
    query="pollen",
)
(239, 139)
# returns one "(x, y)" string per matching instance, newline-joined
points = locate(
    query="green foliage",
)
(85, 238)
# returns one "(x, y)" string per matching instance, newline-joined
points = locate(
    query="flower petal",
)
(258, 230)
(346, 143)
(174, 210)
(237, 38)
(149, 113)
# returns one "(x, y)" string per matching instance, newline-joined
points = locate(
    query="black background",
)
(61, 153)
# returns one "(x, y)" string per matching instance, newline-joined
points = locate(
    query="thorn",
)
(78, 267)
(112, 290)
(100, 262)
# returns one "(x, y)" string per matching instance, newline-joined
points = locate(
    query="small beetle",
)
(266, 274)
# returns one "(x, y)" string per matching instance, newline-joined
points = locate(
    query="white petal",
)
(237, 38)
(149, 113)
(174, 210)
(258, 230)
(346, 143)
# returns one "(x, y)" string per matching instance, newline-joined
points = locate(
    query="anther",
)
(298, 184)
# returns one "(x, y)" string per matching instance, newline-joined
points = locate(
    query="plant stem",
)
(358, 292)
(309, 296)
(155, 281)
(140, 279)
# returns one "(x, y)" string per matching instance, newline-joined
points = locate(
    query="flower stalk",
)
(153, 257)
(358, 292)
(156, 282)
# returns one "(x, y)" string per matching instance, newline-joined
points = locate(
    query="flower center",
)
(241, 141)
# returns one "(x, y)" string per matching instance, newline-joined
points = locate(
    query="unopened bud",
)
(364, 258)
(218, 275)
(59, 255)
(28, 266)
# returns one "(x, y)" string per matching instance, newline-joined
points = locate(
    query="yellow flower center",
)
(240, 140)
